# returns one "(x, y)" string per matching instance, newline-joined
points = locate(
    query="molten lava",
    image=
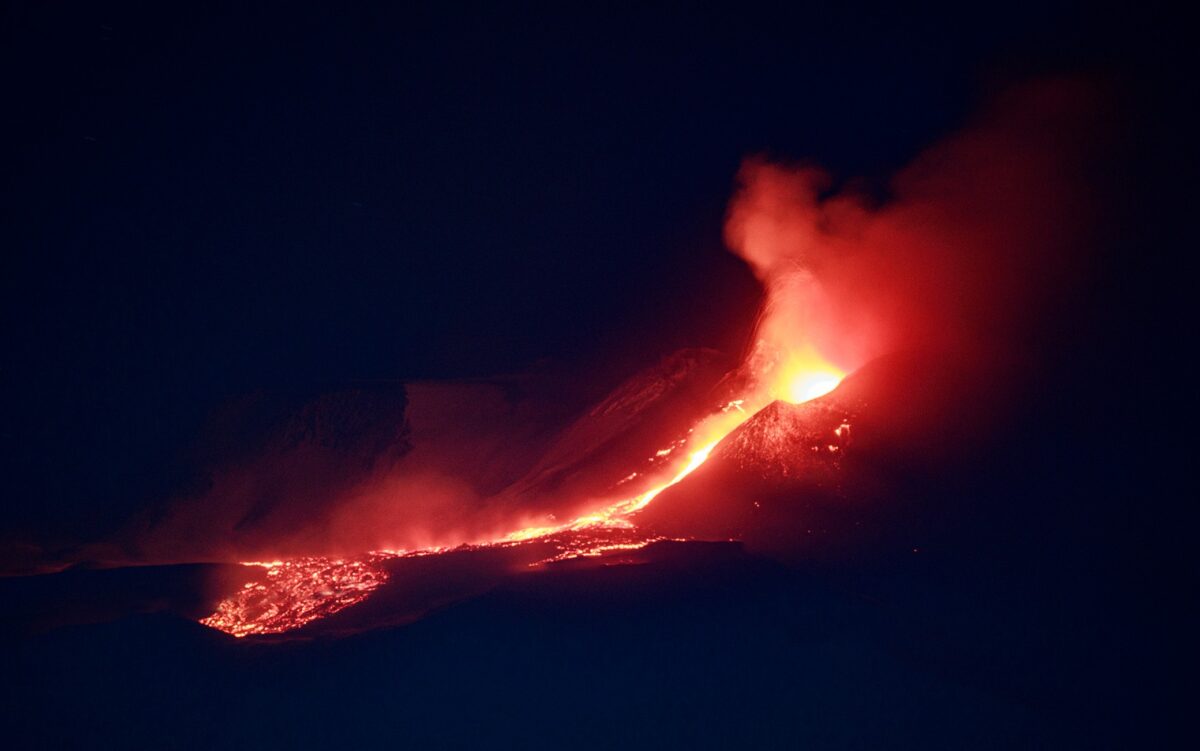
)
(296, 592)
(805, 376)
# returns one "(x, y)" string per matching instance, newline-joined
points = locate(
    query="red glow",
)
(805, 375)
(294, 593)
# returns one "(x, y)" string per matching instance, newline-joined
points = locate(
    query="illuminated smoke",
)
(776, 225)
(960, 254)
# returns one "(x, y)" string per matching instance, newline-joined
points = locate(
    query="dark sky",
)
(203, 200)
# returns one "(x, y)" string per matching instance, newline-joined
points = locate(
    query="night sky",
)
(206, 201)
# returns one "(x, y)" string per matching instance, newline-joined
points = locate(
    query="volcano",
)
(833, 474)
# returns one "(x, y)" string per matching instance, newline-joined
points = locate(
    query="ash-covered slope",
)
(843, 470)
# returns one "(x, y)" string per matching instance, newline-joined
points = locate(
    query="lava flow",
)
(293, 593)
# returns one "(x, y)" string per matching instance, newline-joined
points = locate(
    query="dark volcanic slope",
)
(847, 469)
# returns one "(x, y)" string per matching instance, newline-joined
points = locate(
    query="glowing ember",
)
(296, 592)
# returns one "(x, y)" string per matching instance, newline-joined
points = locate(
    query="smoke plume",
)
(963, 251)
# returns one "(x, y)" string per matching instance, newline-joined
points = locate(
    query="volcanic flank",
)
(834, 472)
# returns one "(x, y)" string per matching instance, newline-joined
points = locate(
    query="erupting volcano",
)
(941, 265)
(441, 376)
